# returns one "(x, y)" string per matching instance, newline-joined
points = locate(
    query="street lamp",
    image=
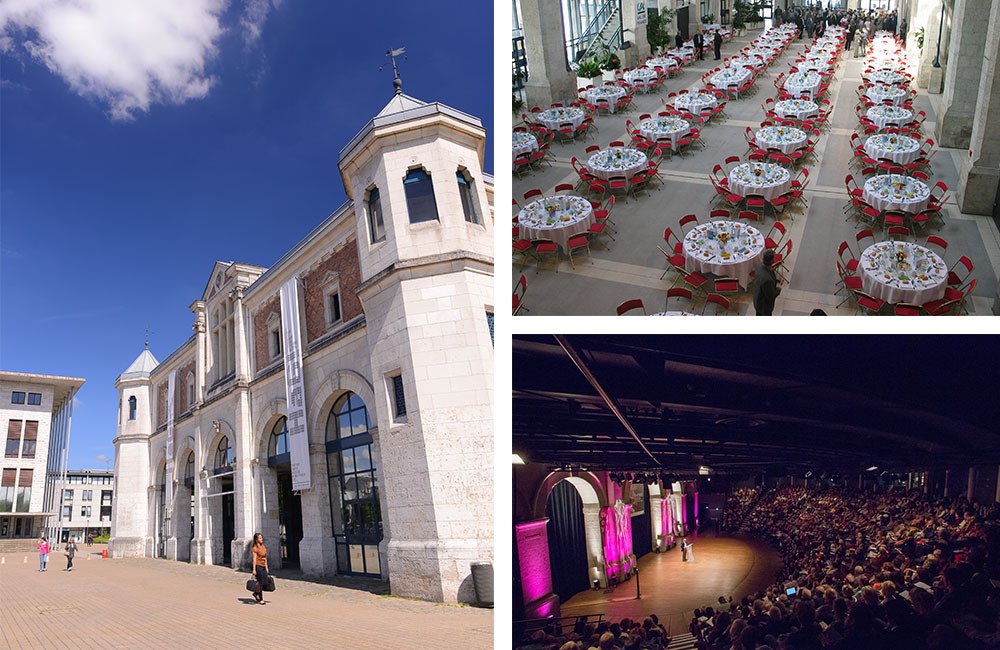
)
(937, 55)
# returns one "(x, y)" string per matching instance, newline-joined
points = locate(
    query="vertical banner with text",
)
(171, 378)
(298, 437)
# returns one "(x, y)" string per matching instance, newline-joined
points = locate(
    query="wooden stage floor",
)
(672, 589)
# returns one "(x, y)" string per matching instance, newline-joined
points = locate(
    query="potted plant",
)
(517, 86)
(590, 69)
(610, 63)
(657, 25)
(708, 19)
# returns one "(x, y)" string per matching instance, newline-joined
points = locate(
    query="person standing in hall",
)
(70, 553)
(259, 553)
(765, 286)
(717, 44)
(699, 44)
(43, 553)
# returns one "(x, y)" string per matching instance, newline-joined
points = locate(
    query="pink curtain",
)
(616, 522)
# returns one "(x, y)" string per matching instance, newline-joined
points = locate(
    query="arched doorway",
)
(567, 535)
(289, 502)
(184, 526)
(354, 500)
(221, 507)
(161, 512)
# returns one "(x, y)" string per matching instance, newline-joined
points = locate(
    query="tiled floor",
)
(631, 266)
(148, 603)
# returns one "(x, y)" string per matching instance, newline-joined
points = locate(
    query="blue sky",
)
(140, 142)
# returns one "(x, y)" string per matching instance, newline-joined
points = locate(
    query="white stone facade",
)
(73, 493)
(411, 304)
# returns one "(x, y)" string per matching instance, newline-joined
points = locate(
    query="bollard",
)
(104, 554)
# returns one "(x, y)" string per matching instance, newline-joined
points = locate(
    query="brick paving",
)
(150, 604)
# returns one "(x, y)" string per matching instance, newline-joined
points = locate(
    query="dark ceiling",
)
(742, 405)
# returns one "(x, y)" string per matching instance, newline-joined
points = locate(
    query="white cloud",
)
(128, 55)
(253, 19)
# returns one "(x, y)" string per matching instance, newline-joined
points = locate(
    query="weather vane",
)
(397, 83)
(147, 336)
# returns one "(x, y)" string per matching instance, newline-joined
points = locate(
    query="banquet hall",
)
(820, 491)
(659, 185)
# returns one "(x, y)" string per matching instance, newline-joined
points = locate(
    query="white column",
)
(965, 64)
(198, 307)
(549, 77)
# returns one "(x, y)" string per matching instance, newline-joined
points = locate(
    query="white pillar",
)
(965, 64)
(549, 77)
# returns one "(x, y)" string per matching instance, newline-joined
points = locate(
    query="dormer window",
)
(468, 197)
(375, 224)
(420, 203)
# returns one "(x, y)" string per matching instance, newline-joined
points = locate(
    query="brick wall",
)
(262, 358)
(161, 403)
(345, 263)
(533, 559)
(181, 398)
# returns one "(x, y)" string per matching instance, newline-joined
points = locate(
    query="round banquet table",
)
(765, 53)
(902, 272)
(683, 54)
(730, 77)
(896, 192)
(663, 62)
(887, 77)
(523, 143)
(573, 215)
(895, 94)
(695, 102)
(610, 93)
(796, 109)
(885, 116)
(813, 65)
(645, 75)
(671, 128)
(735, 255)
(616, 162)
(553, 117)
(786, 139)
(674, 313)
(899, 149)
(744, 61)
(764, 179)
(803, 82)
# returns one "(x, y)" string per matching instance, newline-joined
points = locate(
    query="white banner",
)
(298, 436)
(170, 439)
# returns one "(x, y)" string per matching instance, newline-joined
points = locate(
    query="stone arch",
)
(263, 435)
(212, 441)
(586, 483)
(338, 383)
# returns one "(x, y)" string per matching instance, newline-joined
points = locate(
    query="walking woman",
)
(259, 553)
(43, 553)
(70, 553)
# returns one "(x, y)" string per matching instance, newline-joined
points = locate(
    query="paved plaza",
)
(149, 604)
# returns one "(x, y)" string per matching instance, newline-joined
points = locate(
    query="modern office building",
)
(340, 401)
(36, 412)
(86, 499)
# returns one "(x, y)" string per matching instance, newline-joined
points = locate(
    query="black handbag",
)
(253, 585)
(269, 583)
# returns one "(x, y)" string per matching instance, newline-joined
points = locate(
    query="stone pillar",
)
(595, 544)
(970, 486)
(536, 575)
(242, 364)
(198, 307)
(634, 33)
(201, 547)
(656, 519)
(246, 468)
(317, 555)
(927, 75)
(549, 77)
(965, 63)
(980, 173)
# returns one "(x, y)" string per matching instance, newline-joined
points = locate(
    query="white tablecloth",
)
(895, 94)
(884, 116)
(889, 77)
(674, 313)
(695, 102)
(523, 143)
(609, 93)
(573, 215)
(663, 62)
(730, 77)
(553, 117)
(797, 109)
(744, 61)
(646, 75)
(803, 82)
(784, 138)
(735, 257)
(765, 179)
(616, 162)
(673, 128)
(902, 272)
(897, 148)
(896, 192)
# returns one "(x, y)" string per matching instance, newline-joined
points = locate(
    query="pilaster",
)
(550, 79)
(970, 22)
(198, 308)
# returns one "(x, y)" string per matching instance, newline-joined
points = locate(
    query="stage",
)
(672, 589)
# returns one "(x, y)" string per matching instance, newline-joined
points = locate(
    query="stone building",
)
(36, 412)
(341, 401)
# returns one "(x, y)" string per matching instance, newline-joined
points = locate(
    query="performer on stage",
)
(684, 550)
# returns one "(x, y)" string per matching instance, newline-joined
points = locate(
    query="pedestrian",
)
(699, 44)
(850, 38)
(765, 286)
(70, 552)
(717, 44)
(259, 553)
(43, 553)
(684, 550)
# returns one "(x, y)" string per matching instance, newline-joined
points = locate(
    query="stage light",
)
(517, 460)
(872, 468)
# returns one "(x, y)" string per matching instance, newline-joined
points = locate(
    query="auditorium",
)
(755, 492)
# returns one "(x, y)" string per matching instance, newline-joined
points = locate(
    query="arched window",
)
(279, 438)
(224, 454)
(189, 380)
(131, 408)
(189, 469)
(468, 197)
(354, 499)
(420, 201)
(375, 224)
